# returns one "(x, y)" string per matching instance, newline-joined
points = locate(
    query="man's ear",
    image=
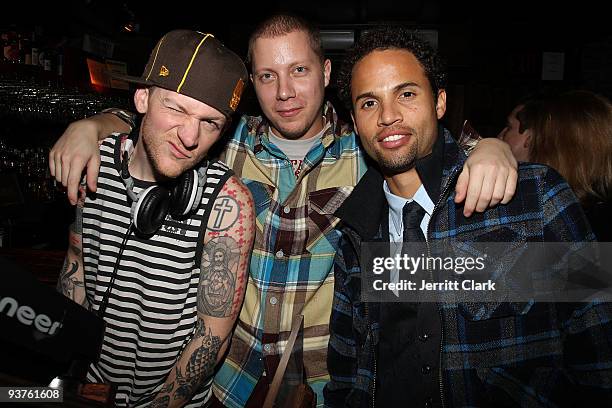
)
(527, 142)
(354, 123)
(327, 71)
(141, 100)
(441, 103)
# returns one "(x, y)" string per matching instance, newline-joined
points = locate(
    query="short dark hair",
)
(391, 37)
(281, 24)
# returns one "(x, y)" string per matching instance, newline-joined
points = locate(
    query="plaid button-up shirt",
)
(292, 259)
(491, 354)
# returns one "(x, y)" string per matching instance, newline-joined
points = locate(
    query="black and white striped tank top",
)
(151, 312)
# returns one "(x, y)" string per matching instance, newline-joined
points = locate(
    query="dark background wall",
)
(494, 52)
(493, 49)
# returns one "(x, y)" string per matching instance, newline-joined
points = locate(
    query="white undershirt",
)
(296, 150)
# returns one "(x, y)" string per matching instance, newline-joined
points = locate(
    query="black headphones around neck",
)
(151, 205)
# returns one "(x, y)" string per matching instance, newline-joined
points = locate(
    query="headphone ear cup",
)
(184, 193)
(149, 212)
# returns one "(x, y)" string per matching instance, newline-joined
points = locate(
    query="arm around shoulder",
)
(77, 149)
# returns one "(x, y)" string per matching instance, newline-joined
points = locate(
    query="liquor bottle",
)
(60, 63)
(46, 59)
(59, 66)
(34, 50)
(25, 52)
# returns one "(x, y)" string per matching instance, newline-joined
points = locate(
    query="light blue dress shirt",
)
(396, 220)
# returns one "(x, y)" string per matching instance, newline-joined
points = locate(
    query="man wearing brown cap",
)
(300, 163)
(144, 250)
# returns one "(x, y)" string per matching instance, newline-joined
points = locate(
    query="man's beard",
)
(397, 164)
(153, 149)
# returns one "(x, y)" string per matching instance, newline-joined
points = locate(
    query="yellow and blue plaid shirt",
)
(292, 259)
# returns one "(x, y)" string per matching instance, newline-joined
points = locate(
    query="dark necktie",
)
(412, 215)
(398, 354)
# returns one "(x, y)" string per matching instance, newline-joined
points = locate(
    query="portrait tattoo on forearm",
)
(218, 277)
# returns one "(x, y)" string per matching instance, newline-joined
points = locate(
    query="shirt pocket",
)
(262, 195)
(509, 335)
(321, 221)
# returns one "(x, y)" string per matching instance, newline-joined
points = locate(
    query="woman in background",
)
(572, 133)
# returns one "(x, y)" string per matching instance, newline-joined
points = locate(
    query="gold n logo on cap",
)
(163, 71)
(155, 58)
(236, 94)
(178, 90)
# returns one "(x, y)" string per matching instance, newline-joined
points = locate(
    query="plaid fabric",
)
(492, 354)
(295, 244)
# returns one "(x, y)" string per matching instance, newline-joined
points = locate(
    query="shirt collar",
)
(333, 129)
(397, 203)
(430, 167)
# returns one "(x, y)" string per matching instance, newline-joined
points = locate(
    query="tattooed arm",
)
(71, 281)
(223, 276)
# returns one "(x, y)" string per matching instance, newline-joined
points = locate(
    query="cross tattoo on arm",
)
(226, 212)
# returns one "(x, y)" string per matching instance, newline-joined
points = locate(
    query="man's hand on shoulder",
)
(488, 178)
(78, 149)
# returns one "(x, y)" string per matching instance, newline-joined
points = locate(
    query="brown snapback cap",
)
(197, 65)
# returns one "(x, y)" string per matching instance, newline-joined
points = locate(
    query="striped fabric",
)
(152, 308)
(295, 244)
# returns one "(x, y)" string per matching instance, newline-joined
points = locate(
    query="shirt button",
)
(280, 254)
(426, 369)
(267, 347)
(423, 337)
(286, 210)
(273, 300)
